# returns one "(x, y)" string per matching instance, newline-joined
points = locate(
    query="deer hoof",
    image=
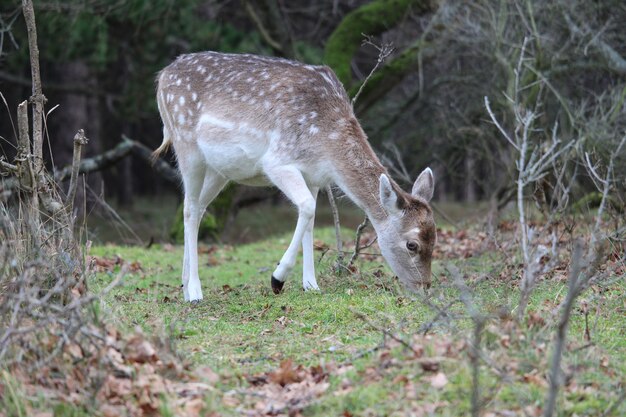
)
(277, 286)
(195, 302)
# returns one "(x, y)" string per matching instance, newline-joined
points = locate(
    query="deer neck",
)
(358, 175)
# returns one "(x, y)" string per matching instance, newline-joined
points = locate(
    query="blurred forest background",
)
(423, 106)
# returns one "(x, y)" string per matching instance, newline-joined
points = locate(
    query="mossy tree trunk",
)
(372, 19)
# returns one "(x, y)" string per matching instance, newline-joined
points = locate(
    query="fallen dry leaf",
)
(286, 374)
(140, 350)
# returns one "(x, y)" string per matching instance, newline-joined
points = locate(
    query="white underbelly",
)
(234, 161)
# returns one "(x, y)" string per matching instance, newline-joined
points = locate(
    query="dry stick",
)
(383, 53)
(357, 240)
(479, 323)
(37, 98)
(333, 208)
(386, 332)
(79, 140)
(26, 174)
(566, 310)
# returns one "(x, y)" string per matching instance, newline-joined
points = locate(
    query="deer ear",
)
(424, 185)
(388, 197)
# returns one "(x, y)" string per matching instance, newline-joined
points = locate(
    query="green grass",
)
(241, 328)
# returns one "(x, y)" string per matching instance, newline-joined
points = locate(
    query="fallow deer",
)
(259, 121)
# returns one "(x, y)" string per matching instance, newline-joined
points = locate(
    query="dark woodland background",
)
(423, 106)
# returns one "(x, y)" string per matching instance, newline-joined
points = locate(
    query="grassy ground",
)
(356, 347)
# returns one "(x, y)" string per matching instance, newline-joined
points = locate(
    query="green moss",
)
(372, 19)
(208, 227)
(213, 221)
(593, 200)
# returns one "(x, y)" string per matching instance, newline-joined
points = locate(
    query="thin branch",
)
(383, 53)
(357, 240)
(333, 207)
(261, 27)
(500, 128)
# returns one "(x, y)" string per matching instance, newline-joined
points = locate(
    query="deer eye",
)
(412, 245)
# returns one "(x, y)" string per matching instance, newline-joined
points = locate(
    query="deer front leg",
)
(290, 181)
(308, 261)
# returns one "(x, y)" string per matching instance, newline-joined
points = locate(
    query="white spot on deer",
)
(178, 81)
(170, 97)
(198, 105)
(267, 104)
(333, 136)
(215, 121)
(274, 87)
(175, 108)
(181, 119)
(209, 78)
(188, 87)
(312, 115)
(313, 129)
(261, 93)
(301, 119)
(181, 100)
(194, 96)
(252, 101)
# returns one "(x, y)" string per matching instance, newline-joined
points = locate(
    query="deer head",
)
(407, 234)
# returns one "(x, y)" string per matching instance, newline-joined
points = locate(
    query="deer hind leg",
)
(201, 186)
(290, 181)
(308, 263)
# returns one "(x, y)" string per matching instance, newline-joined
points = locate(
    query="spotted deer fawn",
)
(260, 121)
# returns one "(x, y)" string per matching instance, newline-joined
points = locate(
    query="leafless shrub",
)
(584, 270)
(537, 155)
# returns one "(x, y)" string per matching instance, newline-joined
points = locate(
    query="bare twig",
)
(261, 27)
(566, 310)
(384, 331)
(384, 51)
(38, 99)
(333, 207)
(478, 320)
(357, 240)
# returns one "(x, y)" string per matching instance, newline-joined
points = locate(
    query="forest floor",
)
(362, 346)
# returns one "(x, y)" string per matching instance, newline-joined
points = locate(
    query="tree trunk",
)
(470, 179)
